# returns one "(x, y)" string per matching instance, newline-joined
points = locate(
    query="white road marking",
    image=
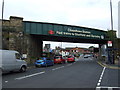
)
(62, 66)
(98, 84)
(99, 80)
(109, 88)
(101, 76)
(74, 62)
(69, 64)
(29, 75)
(53, 69)
(97, 88)
(58, 68)
(6, 81)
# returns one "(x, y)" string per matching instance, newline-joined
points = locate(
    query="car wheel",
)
(52, 64)
(36, 66)
(63, 62)
(23, 69)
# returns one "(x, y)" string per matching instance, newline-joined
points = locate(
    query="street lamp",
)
(2, 9)
(111, 15)
(113, 41)
(1, 25)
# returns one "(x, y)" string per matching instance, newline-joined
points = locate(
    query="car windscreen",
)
(57, 58)
(18, 56)
(70, 57)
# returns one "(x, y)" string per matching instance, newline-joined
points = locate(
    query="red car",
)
(70, 59)
(59, 59)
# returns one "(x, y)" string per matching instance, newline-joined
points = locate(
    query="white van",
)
(11, 60)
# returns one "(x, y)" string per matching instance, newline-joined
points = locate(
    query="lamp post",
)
(1, 26)
(113, 41)
(2, 9)
(111, 15)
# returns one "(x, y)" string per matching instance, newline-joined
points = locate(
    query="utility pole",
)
(113, 41)
(111, 15)
(2, 9)
(1, 25)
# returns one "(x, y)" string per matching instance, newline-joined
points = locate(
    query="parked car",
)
(87, 56)
(70, 59)
(12, 61)
(64, 59)
(59, 59)
(44, 62)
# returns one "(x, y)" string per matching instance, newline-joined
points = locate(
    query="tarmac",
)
(30, 66)
(100, 62)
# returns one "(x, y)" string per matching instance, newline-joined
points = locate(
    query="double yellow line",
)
(107, 66)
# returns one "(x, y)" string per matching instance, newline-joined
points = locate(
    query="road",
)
(84, 73)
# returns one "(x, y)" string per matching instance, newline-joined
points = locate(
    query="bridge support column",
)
(103, 52)
(34, 48)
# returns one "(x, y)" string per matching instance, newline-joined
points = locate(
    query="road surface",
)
(84, 73)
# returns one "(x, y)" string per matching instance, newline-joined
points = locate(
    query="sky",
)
(87, 13)
(67, 44)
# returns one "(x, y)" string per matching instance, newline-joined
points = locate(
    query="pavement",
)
(107, 65)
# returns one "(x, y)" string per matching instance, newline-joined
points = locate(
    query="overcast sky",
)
(88, 13)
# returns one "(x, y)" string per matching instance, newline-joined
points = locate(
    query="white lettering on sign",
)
(67, 33)
(58, 32)
(78, 34)
(95, 36)
(78, 31)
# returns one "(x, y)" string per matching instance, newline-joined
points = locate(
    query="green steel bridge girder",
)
(61, 30)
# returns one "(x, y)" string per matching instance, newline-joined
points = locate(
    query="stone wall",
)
(12, 33)
(13, 36)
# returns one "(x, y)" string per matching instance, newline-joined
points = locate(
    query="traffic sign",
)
(109, 43)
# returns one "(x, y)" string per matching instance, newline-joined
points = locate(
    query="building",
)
(77, 50)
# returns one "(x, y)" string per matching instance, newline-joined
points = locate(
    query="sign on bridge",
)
(52, 29)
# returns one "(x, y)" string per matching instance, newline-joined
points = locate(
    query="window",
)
(57, 58)
(17, 56)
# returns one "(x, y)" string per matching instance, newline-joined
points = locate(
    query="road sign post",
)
(110, 52)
